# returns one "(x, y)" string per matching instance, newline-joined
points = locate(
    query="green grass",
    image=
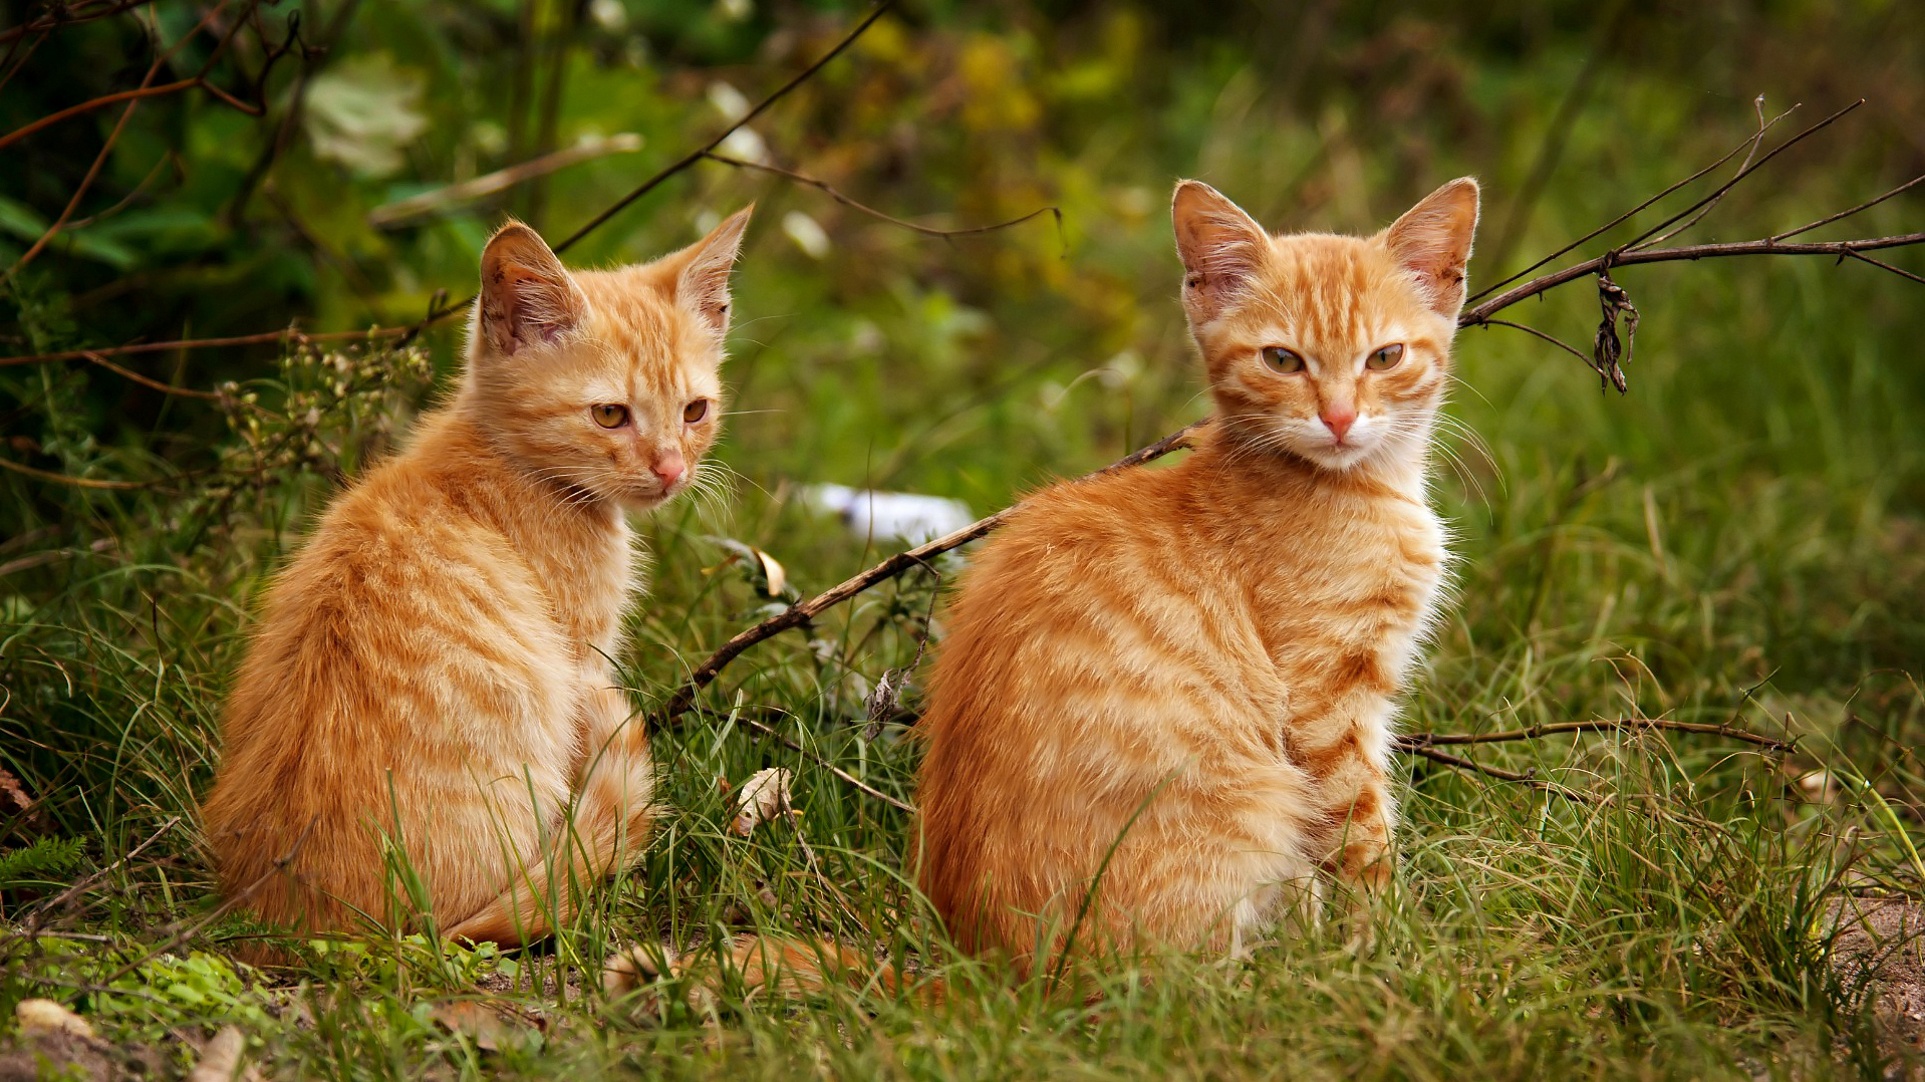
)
(1740, 538)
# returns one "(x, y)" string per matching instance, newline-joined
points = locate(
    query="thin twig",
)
(1411, 742)
(916, 227)
(126, 200)
(1558, 342)
(77, 482)
(226, 906)
(261, 339)
(1881, 264)
(64, 15)
(145, 89)
(37, 918)
(1529, 778)
(154, 384)
(389, 215)
(1711, 204)
(133, 101)
(1866, 205)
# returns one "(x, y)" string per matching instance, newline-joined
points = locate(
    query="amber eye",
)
(609, 415)
(1386, 357)
(1282, 359)
(695, 410)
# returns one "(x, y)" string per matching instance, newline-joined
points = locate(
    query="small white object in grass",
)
(807, 234)
(906, 516)
(610, 15)
(743, 143)
(1819, 787)
(763, 797)
(46, 1016)
(221, 1060)
(730, 102)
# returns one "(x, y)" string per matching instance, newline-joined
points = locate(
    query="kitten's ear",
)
(1432, 240)
(702, 284)
(1221, 248)
(527, 298)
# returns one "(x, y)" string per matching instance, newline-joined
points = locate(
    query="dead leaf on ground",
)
(221, 1060)
(481, 1023)
(14, 799)
(37, 1016)
(775, 577)
(763, 797)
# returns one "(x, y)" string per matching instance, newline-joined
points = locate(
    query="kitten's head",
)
(606, 383)
(1333, 349)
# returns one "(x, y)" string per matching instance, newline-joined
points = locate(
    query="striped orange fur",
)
(1163, 711)
(428, 686)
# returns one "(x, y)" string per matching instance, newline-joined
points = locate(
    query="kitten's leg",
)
(1354, 793)
(604, 829)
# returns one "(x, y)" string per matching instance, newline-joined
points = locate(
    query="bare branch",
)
(1411, 742)
(1529, 777)
(265, 337)
(1881, 264)
(146, 89)
(1558, 342)
(1866, 205)
(39, 917)
(393, 214)
(68, 15)
(76, 482)
(1841, 248)
(1711, 204)
(925, 230)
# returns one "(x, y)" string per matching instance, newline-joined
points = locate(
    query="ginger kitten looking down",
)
(1165, 701)
(427, 719)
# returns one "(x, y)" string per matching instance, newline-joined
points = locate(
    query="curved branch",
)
(915, 227)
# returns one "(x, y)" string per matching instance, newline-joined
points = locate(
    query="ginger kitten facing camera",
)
(427, 720)
(1164, 706)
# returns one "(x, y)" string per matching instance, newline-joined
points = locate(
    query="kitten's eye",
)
(1386, 357)
(1282, 359)
(695, 410)
(609, 415)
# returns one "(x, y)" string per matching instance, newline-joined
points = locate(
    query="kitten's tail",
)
(764, 967)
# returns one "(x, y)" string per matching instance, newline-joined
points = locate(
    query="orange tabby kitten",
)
(429, 686)
(1167, 696)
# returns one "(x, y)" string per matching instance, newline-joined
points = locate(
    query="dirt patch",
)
(1883, 940)
(72, 1055)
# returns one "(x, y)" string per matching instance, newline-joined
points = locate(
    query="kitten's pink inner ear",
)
(1433, 241)
(703, 284)
(1220, 245)
(527, 296)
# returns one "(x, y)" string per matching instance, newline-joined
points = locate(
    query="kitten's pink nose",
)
(1338, 420)
(669, 466)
